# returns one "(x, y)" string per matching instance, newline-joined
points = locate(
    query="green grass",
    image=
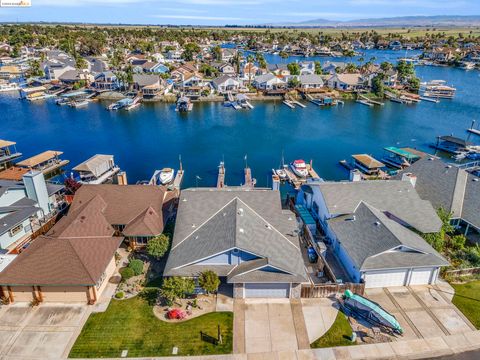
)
(130, 325)
(338, 335)
(467, 299)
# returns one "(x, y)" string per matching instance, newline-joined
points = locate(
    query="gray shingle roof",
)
(396, 197)
(369, 236)
(211, 222)
(448, 187)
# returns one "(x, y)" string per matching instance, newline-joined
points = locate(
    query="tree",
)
(378, 86)
(176, 287)
(318, 68)
(35, 69)
(137, 266)
(217, 53)
(209, 281)
(190, 50)
(294, 68)
(293, 82)
(158, 246)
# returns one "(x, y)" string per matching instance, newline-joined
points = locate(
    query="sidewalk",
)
(408, 349)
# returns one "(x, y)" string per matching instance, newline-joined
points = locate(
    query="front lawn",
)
(338, 335)
(130, 325)
(467, 299)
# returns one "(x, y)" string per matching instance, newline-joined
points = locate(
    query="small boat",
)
(282, 174)
(9, 87)
(62, 101)
(299, 168)
(358, 306)
(468, 66)
(120, 104)
(184, 104)
(165, 176)
(78, 103)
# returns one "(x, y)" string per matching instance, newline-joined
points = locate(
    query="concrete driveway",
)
(422, 311)
(265, 325)
(44, 332)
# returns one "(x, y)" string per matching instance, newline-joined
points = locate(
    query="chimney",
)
(355, 175)
(410, 177)
(36, 188)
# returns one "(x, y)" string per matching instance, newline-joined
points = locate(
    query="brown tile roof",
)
(124, 204)
(60, 261)
(146, 223)
(87, 220)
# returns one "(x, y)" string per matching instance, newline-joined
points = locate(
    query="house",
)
(24, 207)
(447, 187)
(10, 72)
(311, 81)
(248, 71)
(96, 65)
(174, 55)
(228, 54)
(440, 54)
(155, 67)
(148, 84)
(106, 80)
(100, 210)
(369, 227)
(280, 70)
(346, 82)
(268, 82)
(56, 64)
(74, 76)
(224, 68)
(243, 236)
(330, 67)
(225, 83)
(307, 68)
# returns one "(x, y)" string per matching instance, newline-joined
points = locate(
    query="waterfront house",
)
(25, 206)
(269, 82)
(57, 63)
(442, 54)
(8, 153)
(71, 77)
(96, 65)
(248, 72)
(346, 82)
(310, 81)
(449, 187)
(106, 81)
(244, 236)
(368, 226)
(226, 83)
(148, 84)
(395, 45)
(10, 72)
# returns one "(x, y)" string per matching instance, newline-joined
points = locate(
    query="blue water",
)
(154, 135)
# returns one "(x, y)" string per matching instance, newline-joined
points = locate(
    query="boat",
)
(98, 169)
(162, 177)
(437, 89)
(184, 104)
(135, 104)
(62, 101)
(299, 168)
(78, 103)
(6, 87)
(467, 65)
(282, 174)
(242, 101)
(399, 158)
(370, 311)
(120, 104)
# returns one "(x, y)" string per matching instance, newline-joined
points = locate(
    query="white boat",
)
(299, 168)
(162, 177)
(282, 174)
(78, 103)
(468, 66)
(184, 104)
(9, 87)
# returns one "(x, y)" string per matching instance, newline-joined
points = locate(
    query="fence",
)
(463, 272)
(328, 290)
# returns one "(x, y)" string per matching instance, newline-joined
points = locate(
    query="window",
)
(141, 240)
(15, 230)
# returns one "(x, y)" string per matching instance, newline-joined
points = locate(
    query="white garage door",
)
(267, 290)
(385, 278)
(421, 276)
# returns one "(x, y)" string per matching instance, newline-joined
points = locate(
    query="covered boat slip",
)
(6, 153)
(97, 169)
(367, 164)
(399, 158)
(45, 162)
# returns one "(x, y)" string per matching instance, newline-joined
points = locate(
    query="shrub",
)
(119, 295)
(158, 246)
(176, 287)
(209, 281)
(137, 266)
(126, 273)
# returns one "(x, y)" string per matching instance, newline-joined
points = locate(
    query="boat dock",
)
(289, 104)
(473, 130)
(221, 176)
(177, 182)
(249, 181)
(364, 102)
(295, 102)
(297, 181)
(368, 101)
(429, 99)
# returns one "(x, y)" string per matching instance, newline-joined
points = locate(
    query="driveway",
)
(268, 326)
(422, 311)
(44, 332)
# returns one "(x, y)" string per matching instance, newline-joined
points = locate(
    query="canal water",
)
(154, 135)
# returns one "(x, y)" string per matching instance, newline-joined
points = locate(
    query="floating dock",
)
(177, 182)
(364, 102)
(295, 102)
(297, 181)
(289, 104)
(369, 101)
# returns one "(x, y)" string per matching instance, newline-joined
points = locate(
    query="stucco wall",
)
(108, 274)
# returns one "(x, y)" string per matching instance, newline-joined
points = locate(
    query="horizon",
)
(224, 12)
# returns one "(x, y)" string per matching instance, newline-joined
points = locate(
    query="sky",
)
(222, 12)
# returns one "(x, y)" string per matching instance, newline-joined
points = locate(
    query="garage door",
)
(385, 278)
(421, 276)
(64, 294)
(267, 290)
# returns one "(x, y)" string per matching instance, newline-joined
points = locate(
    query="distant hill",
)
(438, 20)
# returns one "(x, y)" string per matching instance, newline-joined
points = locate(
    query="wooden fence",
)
(329, 290)
(463, 272)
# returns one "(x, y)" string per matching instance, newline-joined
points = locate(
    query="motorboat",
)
(282, 174)
(299, 168)
(162, 177)
(184, 104)
(78, 103)
(5, 87)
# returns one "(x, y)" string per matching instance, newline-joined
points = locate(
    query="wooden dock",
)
(249, 181)
(221, 176)
(370, 101)
(295, 102)
(289, 104)
(177, 182)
